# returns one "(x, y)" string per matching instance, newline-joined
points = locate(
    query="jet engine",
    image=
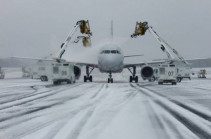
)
(77, 72)
(147, 72)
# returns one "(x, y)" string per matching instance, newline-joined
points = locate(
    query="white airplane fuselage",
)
(110, 59)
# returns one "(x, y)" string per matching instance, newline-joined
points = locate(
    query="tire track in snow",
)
(37, 127)
(61, 122)
(174, 129)
(33, 110)
(54, 131)
(191, 125)
(20, 96)
(115, 107)
(189, 108)
(76, 132)
(159, 126)
(28, 98)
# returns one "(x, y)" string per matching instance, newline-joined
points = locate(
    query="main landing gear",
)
(110, 79)
(88, 77)
(133, 77)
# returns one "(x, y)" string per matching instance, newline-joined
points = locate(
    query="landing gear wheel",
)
(85, 79)
(111, 80)
(131, 79)
(90, 78)
(136, 79)
(133, 72)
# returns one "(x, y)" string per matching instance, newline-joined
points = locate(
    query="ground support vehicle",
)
(167, 73)
(63, 72)
(2, 74)
(202, 73)
(183, 72)
(56, 71)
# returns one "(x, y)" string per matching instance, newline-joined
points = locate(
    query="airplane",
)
(111, 60)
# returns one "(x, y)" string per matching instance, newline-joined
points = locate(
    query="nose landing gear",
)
(110, 79)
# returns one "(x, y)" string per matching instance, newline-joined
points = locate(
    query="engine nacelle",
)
(77, 72)
(147, 72)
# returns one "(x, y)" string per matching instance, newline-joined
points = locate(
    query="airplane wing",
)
(132, 56)
(53, 59)
(144, 63)
(87, 64)
(31, 59)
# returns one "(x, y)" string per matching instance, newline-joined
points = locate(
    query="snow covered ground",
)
(31, 109)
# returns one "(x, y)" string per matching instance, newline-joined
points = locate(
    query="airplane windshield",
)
(110, 51)
(107, 51)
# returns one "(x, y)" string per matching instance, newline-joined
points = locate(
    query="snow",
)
(31, 109)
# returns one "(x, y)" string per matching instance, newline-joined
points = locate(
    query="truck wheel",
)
(174, 83)
(55, 82)
(160, 83)
(179, 79)
(74, 80)
(41, 78)
(69, 81)
(45, 78)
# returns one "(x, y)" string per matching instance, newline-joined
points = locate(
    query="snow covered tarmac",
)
(30, 109)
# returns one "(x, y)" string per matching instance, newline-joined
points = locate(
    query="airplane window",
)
(113, 51)
(107, 51)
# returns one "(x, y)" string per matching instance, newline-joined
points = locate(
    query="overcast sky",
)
(36, 28)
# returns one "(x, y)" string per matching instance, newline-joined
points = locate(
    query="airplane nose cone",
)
(111, 63)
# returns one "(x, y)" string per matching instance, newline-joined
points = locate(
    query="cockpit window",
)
(107, 51)
(110, 51)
